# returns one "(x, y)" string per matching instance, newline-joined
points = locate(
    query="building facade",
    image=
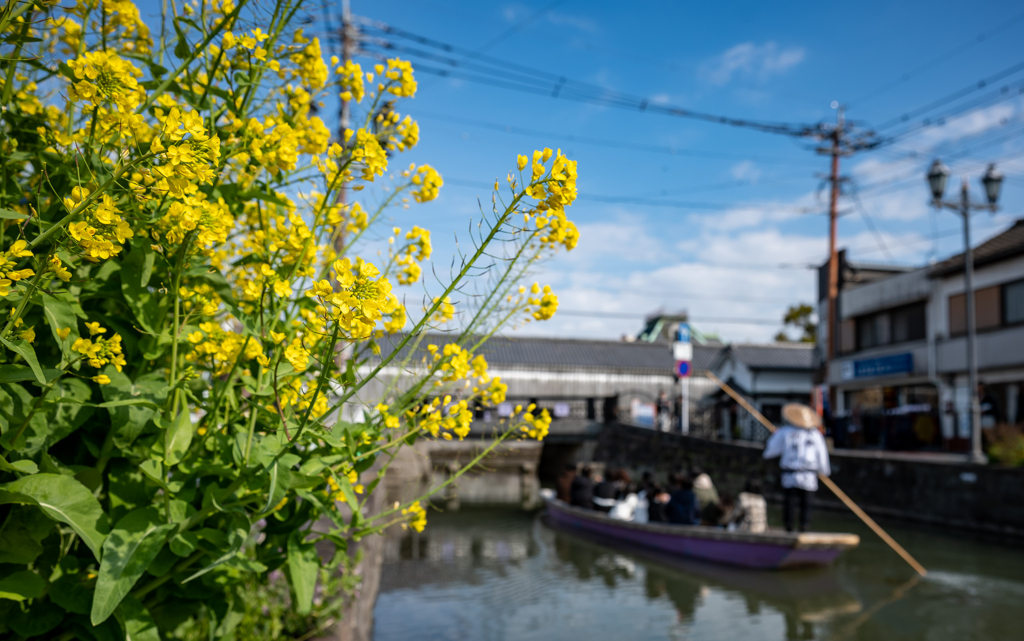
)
(900, 376)
(768, 376)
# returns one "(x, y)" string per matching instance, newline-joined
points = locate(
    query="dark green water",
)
(488, 575)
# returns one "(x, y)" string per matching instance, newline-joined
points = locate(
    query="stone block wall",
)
(984, 499)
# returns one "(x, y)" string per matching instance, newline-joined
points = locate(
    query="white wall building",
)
(900, 377)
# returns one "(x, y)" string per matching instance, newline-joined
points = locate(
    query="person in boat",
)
(657, 504)
(563, 484)
(751, 513)
(802, 455)
(682, 507)
(605, 492)
(703, 488)
(581, 493)
(627, 508)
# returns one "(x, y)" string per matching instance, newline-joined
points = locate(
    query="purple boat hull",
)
(771, 550)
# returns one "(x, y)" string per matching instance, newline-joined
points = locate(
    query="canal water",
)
(496, 575)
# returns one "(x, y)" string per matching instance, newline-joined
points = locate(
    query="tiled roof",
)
(1008, 244)
(796, 356)
(704, 355)
(567, 354)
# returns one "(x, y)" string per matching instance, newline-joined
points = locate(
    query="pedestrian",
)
(581, 493)
(803, 454)
(663, 418)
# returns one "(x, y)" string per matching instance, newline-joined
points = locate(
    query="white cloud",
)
(746, 170)
(751, 61)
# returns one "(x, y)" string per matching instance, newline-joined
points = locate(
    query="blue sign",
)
(683, 369)
(683, 333)
(882, 366)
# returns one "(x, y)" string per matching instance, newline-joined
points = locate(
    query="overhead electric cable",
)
(934, 62)
(603, 142)
(951, 97)
(651, 202)
(519, 26)
(562, 86)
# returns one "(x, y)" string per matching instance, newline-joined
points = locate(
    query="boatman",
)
(802, 447)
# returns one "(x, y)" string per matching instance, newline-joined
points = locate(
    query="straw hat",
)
(799, 415)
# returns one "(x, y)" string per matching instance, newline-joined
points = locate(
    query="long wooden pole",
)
(828, 482)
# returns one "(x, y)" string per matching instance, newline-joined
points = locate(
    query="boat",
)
(771, 550)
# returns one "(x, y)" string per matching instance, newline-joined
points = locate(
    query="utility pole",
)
(349, 40)
(833, 256)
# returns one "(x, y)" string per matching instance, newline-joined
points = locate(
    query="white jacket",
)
(804, 456)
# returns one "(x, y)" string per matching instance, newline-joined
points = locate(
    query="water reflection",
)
(503, 575)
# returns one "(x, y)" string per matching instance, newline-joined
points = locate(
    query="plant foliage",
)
(186, 317)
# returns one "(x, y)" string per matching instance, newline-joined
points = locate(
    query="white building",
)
(900, 377)
(768, 376)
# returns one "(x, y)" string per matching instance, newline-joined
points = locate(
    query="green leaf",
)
(60, 314)
(23, 466)
(303, 567)
(184, 543)
(178, 437)
(63, 499)
(26, 351)
(22, 533)
(132, 405)
(22, 585)
(127, 552)
(135, 274)
(72, 590)
(64, 412)
(11, 215)
(41, 618)
(19, 373)
(138, 624)
(237, 535)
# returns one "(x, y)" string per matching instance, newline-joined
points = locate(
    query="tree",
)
(800, 317)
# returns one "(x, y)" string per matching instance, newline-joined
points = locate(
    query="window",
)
(1013, 302)
(908, 323)
(866, 336)
(898, 325)
(848, 336)
(987, 307)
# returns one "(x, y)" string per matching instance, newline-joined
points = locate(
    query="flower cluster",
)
(99, 351)
(103, 232)
(417, 250)
(361, 299)
(429, 183)
(105, 78)
(8, 274)
(417, 516)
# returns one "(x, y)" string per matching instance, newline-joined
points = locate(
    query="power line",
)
(602, 142)
(516, 28)
(561, 86)
(934, 62)
(951, 97)
(650, 202)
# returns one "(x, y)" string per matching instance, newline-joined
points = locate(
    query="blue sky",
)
(744, 255)
(725, 226)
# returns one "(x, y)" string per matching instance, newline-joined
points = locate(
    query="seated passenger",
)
(581, 493)
(564, 483)
(605, 493)
(627, 507)
(682, 508)
(703, 488)
(751, 513)
(657, 504)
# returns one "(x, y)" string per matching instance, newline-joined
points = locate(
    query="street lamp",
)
(992, 181)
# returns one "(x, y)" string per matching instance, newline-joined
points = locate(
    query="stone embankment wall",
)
(984, 499)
